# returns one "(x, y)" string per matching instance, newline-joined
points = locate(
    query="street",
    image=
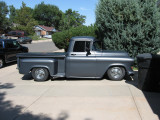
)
(48, 46)
(21, 98)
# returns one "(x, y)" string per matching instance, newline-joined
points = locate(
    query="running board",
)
(59, 75)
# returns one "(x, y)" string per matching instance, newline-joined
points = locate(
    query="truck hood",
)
(114, 53)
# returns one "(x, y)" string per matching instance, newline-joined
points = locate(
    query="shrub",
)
(61, 39)
(129, 25)
(35, 37)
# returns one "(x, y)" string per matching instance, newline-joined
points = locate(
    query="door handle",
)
(73, 54)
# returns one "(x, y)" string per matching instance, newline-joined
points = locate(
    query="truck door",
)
(79, 63)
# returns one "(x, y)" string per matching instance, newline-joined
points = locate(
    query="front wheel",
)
(40, 74)
(116, 73)
(1, 63)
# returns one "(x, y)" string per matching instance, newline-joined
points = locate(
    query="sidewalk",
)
(37, 41)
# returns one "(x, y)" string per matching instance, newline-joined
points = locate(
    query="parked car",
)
(8, 50)
(23, 40)
(17, 33)
(84, 59)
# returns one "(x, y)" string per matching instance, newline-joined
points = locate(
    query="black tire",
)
(116, 73)
(1, 62)
(40, 74)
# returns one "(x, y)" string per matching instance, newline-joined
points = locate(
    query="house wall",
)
(38, 32)
(43, 32)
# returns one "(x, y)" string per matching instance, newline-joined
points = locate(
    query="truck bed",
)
(42, 54)
(54, 62)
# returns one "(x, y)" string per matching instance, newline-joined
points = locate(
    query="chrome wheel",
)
(40, 74)
(116, 73)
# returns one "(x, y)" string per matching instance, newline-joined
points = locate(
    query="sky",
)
(84, 7)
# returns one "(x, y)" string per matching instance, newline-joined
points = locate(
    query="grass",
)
(35, 37)
(135, 68)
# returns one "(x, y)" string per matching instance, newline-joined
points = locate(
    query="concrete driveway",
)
(21, 98)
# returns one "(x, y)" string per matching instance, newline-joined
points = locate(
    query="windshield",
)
(97, 45)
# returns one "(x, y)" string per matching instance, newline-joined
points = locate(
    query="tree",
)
(25, 20)
(71, 19)
(47, 14)
(12, 14)
(130, 25)
(61, 39)
(4, 22)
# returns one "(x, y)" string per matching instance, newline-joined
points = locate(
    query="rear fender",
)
(26, 65)
(41, 66)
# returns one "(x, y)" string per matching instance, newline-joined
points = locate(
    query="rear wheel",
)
(1, 63)
(116, 73)
(40, 74)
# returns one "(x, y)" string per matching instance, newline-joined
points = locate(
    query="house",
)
(42, 30)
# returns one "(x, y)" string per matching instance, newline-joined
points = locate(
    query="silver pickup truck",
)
(84, 59)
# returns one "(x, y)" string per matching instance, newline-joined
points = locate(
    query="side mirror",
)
(88, 51)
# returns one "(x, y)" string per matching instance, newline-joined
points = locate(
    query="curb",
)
(38, 41)
(61, 50)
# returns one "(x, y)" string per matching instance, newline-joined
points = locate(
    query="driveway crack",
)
(135, 102)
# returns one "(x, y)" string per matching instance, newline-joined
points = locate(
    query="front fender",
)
(127, 68)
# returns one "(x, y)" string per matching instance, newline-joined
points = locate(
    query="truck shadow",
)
(152, 98)
(27, 77)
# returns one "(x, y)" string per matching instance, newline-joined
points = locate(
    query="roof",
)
(83, 38)
(46, 28)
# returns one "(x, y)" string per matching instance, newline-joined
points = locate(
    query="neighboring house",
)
(42, 30)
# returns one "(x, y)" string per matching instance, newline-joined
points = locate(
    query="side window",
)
(11, 44)
(81, 46)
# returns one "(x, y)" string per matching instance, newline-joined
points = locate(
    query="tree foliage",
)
(61, 39)
(4, 22)
(71, 19)
(12, 13)
(47, 14)
(24, 19)
(130, 25)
